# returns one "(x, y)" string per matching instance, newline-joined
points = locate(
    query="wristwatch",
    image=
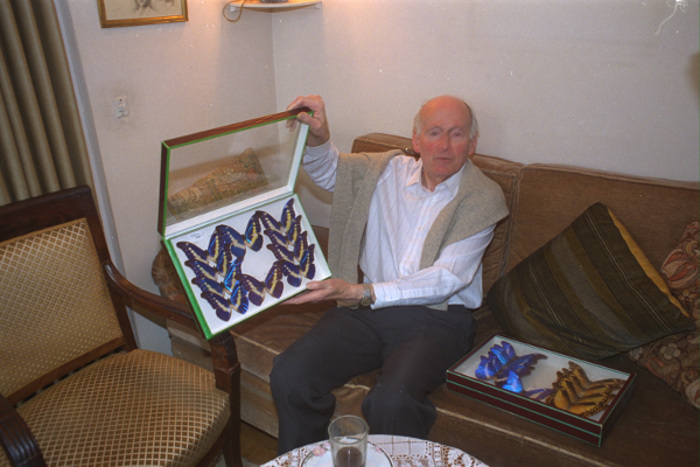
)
(366, 299)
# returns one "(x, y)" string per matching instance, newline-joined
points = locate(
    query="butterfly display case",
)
(576, 397)
(231, 222)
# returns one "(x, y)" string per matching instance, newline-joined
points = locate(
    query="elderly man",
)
(419, 229)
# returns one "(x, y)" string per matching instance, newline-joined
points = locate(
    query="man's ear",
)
(472, 146)
(415, 140)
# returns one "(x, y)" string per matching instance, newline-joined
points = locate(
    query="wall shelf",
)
(288, 5)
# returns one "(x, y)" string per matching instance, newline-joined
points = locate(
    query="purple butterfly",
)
(231, 237)
(273, 281)
(193, 252)
(254, 288)
(253, 237)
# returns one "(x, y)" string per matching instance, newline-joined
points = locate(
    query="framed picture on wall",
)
(118, 13)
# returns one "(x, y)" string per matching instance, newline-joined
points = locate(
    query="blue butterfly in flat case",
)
(502, 360)
(273, 281)
(254, 288)
(288, 215)
(253, 236)
(232, 238)
(514, 384)
(271, 223)
(292, 272)
(202, 269)
(193, 252)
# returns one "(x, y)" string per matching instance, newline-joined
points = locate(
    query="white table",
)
(403, 452)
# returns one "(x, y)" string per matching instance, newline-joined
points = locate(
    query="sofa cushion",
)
(549, 197)
(676, 359)
(589, 292)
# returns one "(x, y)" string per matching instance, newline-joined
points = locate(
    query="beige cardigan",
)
(479, 203)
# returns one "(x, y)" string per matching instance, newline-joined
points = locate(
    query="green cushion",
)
(589, 292)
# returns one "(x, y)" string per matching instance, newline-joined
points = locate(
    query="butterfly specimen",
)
(273, 281)
(306, 265)
(223, 280)
(288, 215)
(502, 360)
(231, 237)
(253, 236)
(271, 223)
(514, 384)
(208, 285)
(193, 252)
(219, 304)
(253, 287)
(575, 393)
(281, 252)
(292, 273)
(202, 269)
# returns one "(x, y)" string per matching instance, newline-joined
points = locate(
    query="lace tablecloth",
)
(403, 452)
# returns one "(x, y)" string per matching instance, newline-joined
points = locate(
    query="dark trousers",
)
(412, 345)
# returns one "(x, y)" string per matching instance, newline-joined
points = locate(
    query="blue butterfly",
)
(502, 359)
(277, 238)
(253, 238)
(216, 247)
(208, 285)
(273, 281)
(226, 261)
(254, 288)
(202, 269)
(294, 230)
(301, 246)
(219, 304)
(514, 384)
(306, 265)
(231, 274)
(271, 223)
(292, 273)
(280, 252)
(193, 252)
(231, 237)
(239, 299)
(288, 215)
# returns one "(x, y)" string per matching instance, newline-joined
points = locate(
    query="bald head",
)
(447, 101)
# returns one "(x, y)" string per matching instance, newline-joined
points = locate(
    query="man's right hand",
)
(319, 132)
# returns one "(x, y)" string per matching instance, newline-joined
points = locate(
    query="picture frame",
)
(120, 13)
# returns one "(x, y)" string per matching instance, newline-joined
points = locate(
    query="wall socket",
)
(120, 107)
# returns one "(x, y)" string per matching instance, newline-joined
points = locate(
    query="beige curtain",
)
(42, 146)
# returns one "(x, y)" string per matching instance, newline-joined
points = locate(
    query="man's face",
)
(443, 141)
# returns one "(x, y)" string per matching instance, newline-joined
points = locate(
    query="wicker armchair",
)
(74, 388)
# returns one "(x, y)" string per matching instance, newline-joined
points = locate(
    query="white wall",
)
(583, 82)
(178, 78)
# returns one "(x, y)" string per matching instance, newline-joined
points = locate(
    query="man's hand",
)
(330, 289)
(319, 132)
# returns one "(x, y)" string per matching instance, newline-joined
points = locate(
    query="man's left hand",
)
(330, 289)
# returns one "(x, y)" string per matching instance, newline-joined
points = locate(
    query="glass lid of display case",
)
(213, 173)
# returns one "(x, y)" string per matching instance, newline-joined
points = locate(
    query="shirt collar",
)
(451, 184)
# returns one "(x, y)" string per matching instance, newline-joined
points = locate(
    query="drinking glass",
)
(348, 438)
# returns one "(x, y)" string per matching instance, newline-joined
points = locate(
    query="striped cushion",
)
(589, 292)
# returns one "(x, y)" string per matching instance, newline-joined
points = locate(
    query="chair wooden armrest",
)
(16, 438)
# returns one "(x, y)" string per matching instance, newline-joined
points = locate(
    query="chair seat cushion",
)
(161, 410)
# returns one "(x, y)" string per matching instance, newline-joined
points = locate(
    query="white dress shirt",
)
(401, 213)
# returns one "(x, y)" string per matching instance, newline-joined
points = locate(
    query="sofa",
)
(658, 425)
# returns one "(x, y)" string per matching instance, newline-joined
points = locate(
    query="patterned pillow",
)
(676, 359)
(590, 292)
